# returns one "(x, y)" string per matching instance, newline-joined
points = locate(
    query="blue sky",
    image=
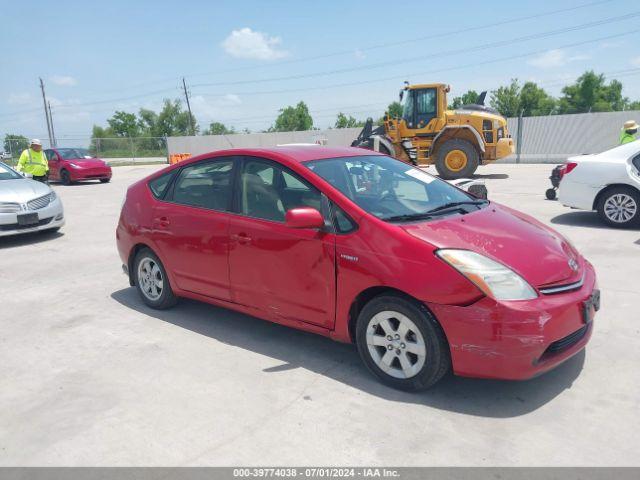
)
(238, 57)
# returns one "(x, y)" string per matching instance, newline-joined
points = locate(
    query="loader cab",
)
(422, 106)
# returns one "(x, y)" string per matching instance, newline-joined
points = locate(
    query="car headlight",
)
(493, 278)
(52, 196)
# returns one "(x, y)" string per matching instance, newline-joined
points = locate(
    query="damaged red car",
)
(424, 278)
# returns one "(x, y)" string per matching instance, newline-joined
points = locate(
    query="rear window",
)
(159, 185)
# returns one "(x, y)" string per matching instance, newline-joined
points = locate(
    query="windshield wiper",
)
(454, 206)
(407, 217)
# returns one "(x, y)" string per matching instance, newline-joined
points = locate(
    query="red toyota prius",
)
(421, 276)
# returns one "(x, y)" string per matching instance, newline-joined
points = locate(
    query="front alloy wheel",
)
(395, 344)
(402, 343)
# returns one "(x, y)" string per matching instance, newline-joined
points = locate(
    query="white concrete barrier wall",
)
(549, 139)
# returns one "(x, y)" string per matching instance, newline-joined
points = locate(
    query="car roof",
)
(295, 153)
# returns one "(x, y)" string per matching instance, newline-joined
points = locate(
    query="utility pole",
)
(46, 113)
(53, 132)
(186, 96)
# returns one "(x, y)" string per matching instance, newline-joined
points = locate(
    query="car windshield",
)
(391, 190)
(6, 173)
(73, 153)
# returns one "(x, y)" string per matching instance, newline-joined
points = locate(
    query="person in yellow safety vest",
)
(629, 131)
(33, 161)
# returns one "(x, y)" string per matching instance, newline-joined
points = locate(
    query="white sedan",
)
(27, 205)
(608, 182)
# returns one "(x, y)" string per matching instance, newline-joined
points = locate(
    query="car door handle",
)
(241, 238)
(162, 222)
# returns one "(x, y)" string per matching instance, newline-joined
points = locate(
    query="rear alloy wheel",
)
(620, 207)
(402, 343)
(65, 177)
(152, 282)
(456, 159)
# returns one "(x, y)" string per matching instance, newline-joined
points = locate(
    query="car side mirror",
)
(304, 217)
(26, 175)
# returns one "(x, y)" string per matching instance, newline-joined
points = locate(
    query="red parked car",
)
(68, 165)
(362, 248)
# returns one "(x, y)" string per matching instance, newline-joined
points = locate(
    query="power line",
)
(442, 53)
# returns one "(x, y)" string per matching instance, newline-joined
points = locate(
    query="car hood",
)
(88, 162)
(539, 254)
(22, 190)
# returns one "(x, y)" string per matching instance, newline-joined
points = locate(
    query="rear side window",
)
(636, 162)
(205, 185)
(159, 185)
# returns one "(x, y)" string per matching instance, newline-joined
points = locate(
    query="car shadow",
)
(24, 239)
(340, 362)
(582, 218)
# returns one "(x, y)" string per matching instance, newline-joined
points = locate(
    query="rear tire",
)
(105, 180)
(619, 207)
(65, 177)
(401, 343)
(151, 280)
(456, 158)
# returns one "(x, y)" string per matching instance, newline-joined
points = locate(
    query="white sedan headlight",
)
(493, 278)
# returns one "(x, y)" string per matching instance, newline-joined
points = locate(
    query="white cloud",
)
(63, 80)
(635, 62)
(215, 108)
(555, 58)
(20, 99)
(359, 54)
(245, 43)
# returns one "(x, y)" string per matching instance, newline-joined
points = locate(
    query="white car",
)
(5, 156)
(608, 182)
(27, 205)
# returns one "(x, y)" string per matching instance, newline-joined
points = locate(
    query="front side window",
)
(388, 188)
(205, 185)
(268, 190)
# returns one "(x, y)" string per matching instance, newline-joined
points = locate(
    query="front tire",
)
(151, 281)
(105, 180)
(619, 207)
(550, 193)
(401, 343)
(456, 158)
(65, 177)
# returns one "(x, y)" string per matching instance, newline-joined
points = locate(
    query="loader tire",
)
(456, 158)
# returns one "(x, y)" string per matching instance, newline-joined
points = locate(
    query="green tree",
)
(535, 100)
(634, 105)
(173, 120)
(15, 144)
(506, 99)
(293, 119)
(342, 121)
(148, 122)
(395, 110)
(217, 128)
(124, 124)
(590, 93)
(468, 98)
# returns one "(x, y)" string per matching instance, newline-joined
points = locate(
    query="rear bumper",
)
(517, 340)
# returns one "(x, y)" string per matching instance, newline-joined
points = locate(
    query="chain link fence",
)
(118, 150)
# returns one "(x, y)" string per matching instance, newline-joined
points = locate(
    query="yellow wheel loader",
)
(455, 141)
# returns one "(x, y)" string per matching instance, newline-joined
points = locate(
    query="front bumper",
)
(49, 217)
(517, 340)
(78, 174)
